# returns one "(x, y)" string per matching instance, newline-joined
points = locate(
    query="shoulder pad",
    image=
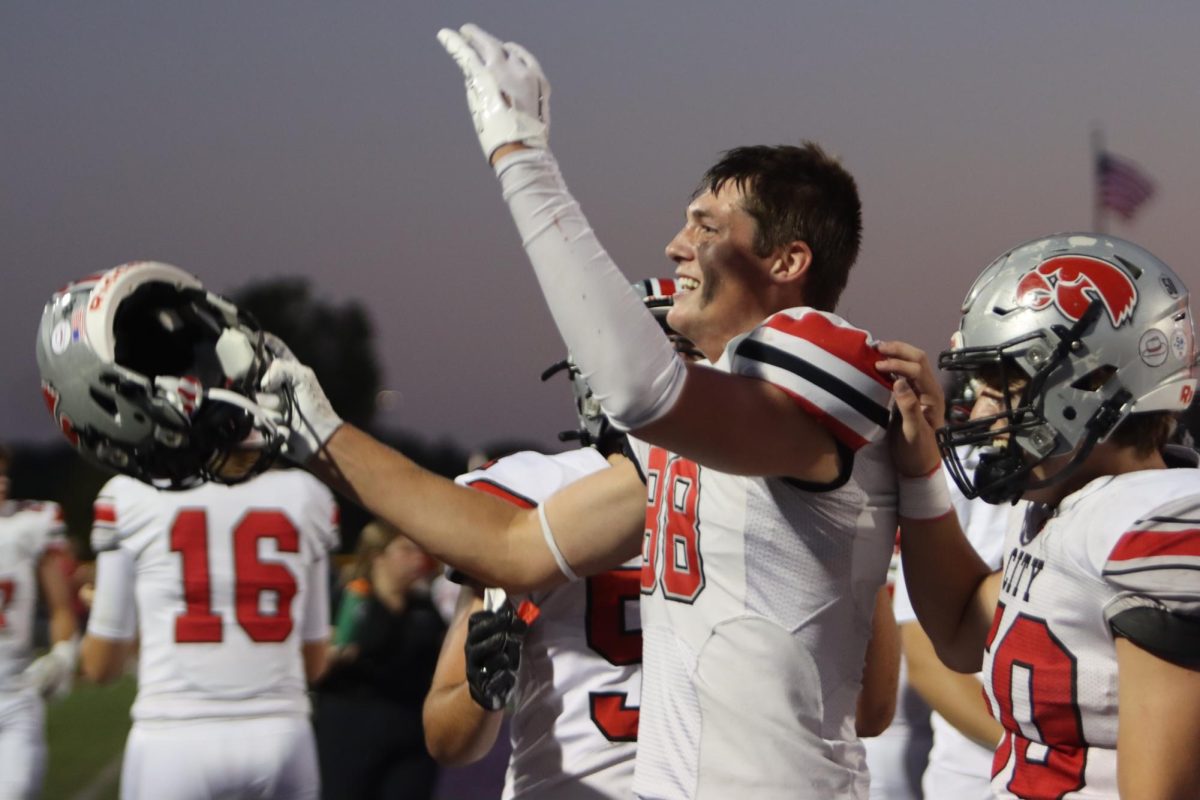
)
(1170, 636)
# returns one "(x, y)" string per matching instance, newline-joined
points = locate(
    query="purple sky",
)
(332, 140)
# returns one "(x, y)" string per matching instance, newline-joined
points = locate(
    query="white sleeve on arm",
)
(114, 614)
(624, 356)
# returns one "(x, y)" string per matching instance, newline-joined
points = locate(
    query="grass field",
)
(86, 733)
(87, 730)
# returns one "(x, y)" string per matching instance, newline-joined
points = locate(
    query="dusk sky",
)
(246, 140)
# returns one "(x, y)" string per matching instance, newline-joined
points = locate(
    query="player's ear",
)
(791, 262)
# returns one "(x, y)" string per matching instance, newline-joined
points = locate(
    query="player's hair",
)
(374, 539)
(798, 193)
(5, 455)
(1146, 433)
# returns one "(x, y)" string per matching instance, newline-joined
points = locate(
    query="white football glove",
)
(54, 673)
(313, 419)
(507, 92)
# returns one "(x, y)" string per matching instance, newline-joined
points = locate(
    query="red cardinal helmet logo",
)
(51, 397)
(1072, 283)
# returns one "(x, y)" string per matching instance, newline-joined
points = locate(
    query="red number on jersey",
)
(252, 577)
(1034, 680)
(189, 538)
(7, 588)
(607, 596)
(255, 577)
(672, 532)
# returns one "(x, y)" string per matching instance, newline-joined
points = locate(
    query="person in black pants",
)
(370, 740)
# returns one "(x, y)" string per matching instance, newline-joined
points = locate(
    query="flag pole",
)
(1098, 216)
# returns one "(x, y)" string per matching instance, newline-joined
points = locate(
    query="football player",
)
(570, 656)
(224, 589)
(31, 542)
(1089, 634)
(580, 643)
(576, 692)
(760, 497)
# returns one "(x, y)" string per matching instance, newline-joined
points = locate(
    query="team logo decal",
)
(1153, 348)
(60, 337)
(1179, 343)
(1072, 283)
(51, 397)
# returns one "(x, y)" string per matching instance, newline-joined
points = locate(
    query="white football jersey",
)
(222, 584)
(575, 714)
(758, 593)
(27, 531)
(1050, 666)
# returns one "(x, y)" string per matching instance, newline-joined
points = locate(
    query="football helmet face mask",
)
(594, 429)
(1078, 331)
(148, 374)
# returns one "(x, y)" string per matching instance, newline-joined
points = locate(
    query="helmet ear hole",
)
(1094, 380)
(104, 401)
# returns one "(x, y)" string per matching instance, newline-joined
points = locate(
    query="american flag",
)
(1123, 185)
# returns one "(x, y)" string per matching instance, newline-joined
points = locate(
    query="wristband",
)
(548, 535)
(924, 498)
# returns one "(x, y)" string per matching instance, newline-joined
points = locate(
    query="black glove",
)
(494, 655)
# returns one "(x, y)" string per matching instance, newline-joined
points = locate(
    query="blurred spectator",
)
(368, 722)
(31, 544)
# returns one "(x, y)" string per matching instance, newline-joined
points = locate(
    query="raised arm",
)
(591, 525)
(946, 578)
(631, 368)
(596, 522)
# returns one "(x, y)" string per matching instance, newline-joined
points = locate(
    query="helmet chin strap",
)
(997, 478)
(261, 417)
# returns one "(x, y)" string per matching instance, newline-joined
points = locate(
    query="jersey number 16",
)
(252, 577)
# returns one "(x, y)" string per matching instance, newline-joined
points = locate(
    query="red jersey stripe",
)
(487, 487)
(1156, 544)
(103, 512)
(851, 345)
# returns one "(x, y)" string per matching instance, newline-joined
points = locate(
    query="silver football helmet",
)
(1094, 327)
(594, 428)
(148, 374)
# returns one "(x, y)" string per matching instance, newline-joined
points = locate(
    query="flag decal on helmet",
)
(1071, 283)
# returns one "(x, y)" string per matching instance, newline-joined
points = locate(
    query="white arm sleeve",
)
(114, 612)
(315, 626)
(628, 363)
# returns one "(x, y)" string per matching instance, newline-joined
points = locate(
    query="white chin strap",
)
(265, 425)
